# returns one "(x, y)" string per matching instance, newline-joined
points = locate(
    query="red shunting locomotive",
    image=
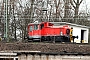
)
(46, 31)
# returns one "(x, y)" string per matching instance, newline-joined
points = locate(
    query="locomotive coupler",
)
(74, 38)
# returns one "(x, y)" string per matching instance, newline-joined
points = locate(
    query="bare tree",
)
(76, 4)
(1, 19)
(67, 11)
(58, 10)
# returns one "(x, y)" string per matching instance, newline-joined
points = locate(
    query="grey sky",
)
(85, 5)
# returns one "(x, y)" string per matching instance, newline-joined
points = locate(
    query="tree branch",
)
(80, 2)
(55, 2)
(72, 3)
(58, 3)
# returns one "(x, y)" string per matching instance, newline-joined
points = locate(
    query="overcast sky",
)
(85, 5)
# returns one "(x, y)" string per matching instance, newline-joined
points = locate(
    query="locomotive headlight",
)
(61, 33)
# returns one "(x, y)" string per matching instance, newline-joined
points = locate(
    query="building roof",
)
(72, 24)
(45, 47)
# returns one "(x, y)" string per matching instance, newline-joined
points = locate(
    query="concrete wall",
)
(52, 57)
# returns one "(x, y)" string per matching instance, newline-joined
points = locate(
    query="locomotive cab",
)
(33, 32)
(46, 24)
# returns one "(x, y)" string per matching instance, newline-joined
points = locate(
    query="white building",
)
(78, 30)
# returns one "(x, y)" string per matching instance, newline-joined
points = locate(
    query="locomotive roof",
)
(62, 23)
(39, 23)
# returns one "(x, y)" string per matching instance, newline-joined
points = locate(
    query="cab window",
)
(31, 28)
(42, 25)
(35, 27)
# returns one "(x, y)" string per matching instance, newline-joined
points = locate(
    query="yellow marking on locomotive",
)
(71, 33)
